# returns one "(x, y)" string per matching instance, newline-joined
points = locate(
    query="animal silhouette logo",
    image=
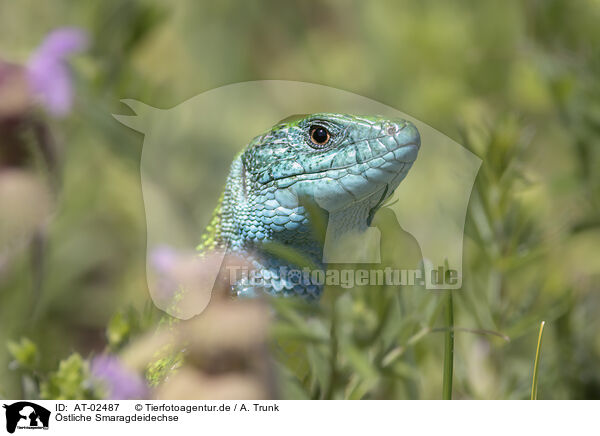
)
(429, 207)
(26, 415)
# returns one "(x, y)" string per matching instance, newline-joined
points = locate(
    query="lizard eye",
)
(319, 135)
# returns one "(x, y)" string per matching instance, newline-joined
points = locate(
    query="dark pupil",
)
(320, 135)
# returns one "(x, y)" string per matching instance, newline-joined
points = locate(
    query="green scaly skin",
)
(349, 176)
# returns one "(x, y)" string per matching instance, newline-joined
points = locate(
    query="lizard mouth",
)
(368, 179)
(391, 162)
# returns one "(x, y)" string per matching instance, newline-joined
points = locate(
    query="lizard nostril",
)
(391, 128)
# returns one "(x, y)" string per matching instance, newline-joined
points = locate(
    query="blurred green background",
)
(514, 81)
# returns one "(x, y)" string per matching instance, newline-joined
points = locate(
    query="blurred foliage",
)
(71, 381)
(515, 81)
(24, 353)
(128, 323)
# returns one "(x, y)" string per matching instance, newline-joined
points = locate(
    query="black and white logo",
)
(26, 415)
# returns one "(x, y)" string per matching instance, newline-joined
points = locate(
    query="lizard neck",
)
(254, 218)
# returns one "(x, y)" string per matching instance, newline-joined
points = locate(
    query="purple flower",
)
(163, 285)
(121, 383)
(48, 73)
(163, 258)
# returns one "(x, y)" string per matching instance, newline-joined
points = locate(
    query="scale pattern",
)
(363, 161)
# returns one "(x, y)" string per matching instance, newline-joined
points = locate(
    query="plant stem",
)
(448, 349)
(538, 352)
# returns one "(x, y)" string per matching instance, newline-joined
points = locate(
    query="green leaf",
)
(72, 381)
(25, 353)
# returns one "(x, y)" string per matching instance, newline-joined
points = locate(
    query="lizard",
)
(348, 164)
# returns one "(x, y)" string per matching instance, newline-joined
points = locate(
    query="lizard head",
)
(348, 165)
(339, 160)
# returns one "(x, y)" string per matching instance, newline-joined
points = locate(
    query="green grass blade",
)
(448, 349)
(534, 384)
